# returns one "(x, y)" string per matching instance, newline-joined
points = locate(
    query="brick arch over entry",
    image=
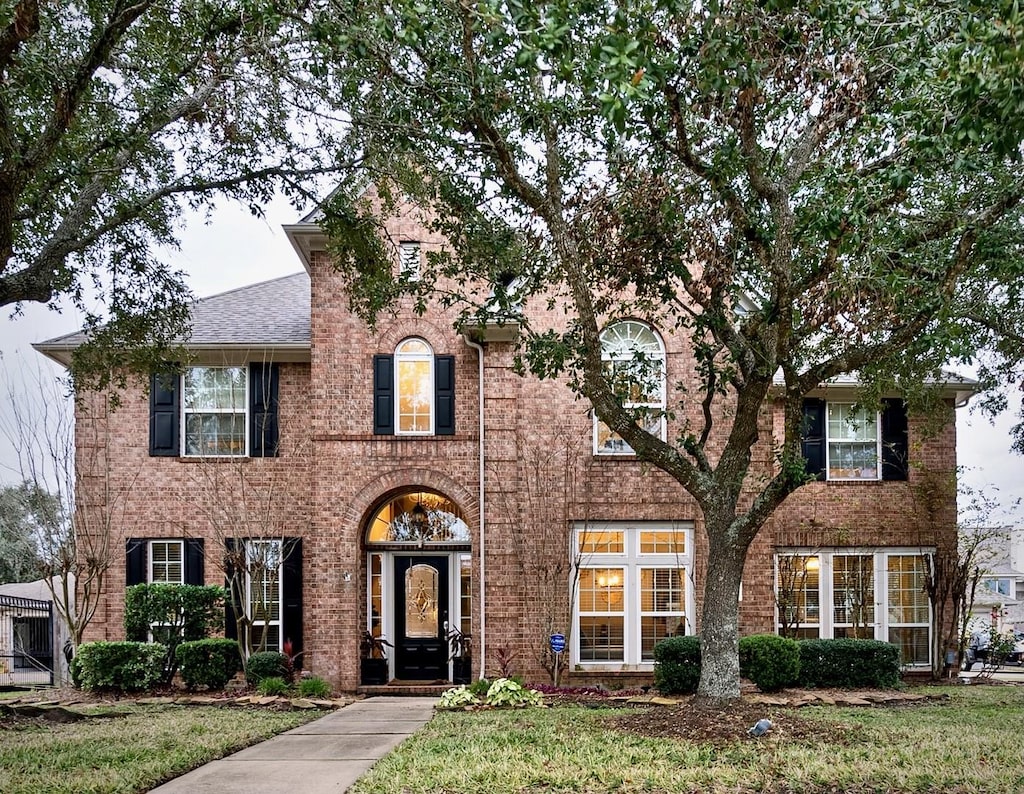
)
(359, 510)
(437, 338)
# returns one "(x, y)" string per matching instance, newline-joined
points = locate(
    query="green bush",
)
(677, 665)
(211, 663)
(75, 671)
(123, 666)
(770, 661)
(172, 613)
(849, 663)
(314, 687)
(273, 685)
(266, 664)
(479, 688)
(508, 693)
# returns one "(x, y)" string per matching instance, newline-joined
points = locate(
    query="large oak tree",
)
(806, 189)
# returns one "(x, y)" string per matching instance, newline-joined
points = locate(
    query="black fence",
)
(26, 642)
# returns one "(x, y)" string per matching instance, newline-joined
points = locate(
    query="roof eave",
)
(306, 239)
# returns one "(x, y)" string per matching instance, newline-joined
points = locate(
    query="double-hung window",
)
(856, 594)
(634, 365)
(414, 391)
(414, 386)
(842, 441)
(264, 582)
(214, 404)
(633, 590)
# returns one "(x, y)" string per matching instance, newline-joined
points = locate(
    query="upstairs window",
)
(214, 406)
(414, 391)
(843, 441)
(634, 364)
(414, 387)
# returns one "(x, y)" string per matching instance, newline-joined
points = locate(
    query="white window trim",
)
(881, 624)
(632, 561)
(183, 418)
(406, 267)
(399, 357)
(829, 442)
(150, 562)
(661, 404)
(267, 624)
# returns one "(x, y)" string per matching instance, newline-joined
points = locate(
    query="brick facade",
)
(540, 477)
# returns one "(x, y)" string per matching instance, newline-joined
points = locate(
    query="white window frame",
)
(632, 561)
(620, 342)
(829, 441)
(265, 624)
(152, 562)
(881, 622)
(401, 357)
(186, 412)
(410, 263)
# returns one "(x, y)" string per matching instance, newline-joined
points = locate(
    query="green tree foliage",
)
(22, 509)
(806, 190)
(117, 115)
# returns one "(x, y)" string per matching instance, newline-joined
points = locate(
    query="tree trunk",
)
(719, 629)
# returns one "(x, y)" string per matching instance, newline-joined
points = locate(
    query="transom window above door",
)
(418, 518)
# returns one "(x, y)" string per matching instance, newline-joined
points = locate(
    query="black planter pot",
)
(373, 672)
(462, 672)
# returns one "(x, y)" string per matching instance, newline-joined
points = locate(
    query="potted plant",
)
(461, 657)
(373, 663)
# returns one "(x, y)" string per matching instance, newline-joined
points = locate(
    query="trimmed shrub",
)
(266, 664)
(273, 685)
(770, 661)
(677, 665)
(314, 687)
(172, 613)
(123, 666)
(849, 664)
(211, 663)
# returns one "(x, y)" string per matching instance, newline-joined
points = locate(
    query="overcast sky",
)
(236, 249)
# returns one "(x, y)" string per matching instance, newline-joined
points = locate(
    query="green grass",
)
(129, 748)
(971, 743)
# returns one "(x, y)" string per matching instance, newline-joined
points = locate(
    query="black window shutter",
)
(444, 395)
(164, 415)
(194, 573)
(383, 395)
(135, 562)
(812, 437)
(895, 463)
(264, 380)
(230, 627)
(291, 591)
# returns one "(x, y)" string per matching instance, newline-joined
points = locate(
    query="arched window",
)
(634, 363)
(414, 385)
(414, 391)
(417, 518)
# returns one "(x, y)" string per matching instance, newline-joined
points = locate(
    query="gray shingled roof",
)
(272, 313)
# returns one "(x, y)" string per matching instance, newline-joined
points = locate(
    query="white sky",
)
(235, 249)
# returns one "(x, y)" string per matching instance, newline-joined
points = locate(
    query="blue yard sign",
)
(557, 643)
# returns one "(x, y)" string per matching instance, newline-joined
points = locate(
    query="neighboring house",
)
(32, 635)
(404, 480)
(999, 597)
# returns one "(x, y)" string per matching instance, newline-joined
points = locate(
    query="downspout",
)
(483, 583)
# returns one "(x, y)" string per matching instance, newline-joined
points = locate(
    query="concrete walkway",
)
(326, 755)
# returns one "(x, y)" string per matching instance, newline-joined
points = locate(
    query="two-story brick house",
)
(406, 481)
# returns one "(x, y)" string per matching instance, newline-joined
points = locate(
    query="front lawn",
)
(970, 742)
(128, 748)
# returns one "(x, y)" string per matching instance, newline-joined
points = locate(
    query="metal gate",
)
(26, 642)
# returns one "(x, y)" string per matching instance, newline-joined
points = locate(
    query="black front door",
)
(421, 618)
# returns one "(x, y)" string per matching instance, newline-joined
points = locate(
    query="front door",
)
(421, 618)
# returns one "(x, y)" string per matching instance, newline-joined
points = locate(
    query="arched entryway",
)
(418, 584)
